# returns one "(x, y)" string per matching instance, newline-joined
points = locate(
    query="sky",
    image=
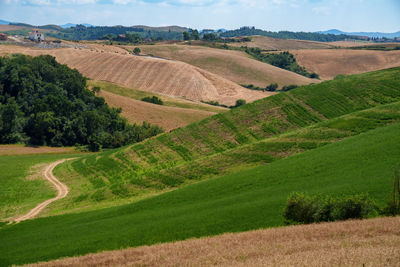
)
(273, 15)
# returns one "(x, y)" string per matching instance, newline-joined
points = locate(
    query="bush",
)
(272, 87)
(301, 208)
(289, 87)
(240, 102)
(136, 51)
(153, 99)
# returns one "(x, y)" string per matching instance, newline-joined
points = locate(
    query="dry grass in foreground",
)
(374, 242)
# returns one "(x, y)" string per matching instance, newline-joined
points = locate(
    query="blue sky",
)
(294, 15)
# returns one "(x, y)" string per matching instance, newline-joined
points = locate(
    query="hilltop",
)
(232, 65)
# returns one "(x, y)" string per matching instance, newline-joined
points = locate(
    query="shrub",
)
(272, 87)
(289, 87)
(136, 51)
(153, 99)
(301, 208)
(240, 102)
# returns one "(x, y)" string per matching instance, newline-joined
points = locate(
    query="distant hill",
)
(368, 34)
(310, 36)
(4, 22)
(69, 25)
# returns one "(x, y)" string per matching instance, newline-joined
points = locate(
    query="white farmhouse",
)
(36, 35)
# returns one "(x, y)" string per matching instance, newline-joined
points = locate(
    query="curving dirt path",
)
(62, 191)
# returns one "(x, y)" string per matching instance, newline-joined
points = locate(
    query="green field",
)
(254, 134)
(242, 201)
(106, 187)
(18, 193)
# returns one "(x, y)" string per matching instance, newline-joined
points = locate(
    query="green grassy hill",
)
(257, 133)
(242, 201)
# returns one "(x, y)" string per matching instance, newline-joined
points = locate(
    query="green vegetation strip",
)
(242, 201)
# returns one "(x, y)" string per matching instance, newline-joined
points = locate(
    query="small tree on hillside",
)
(186, 36)
(195, 35)
(136, 51)
(272, 87)
(96, 89)
(240, 102)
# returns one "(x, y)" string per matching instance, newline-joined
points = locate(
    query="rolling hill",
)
(213, 146)
(268, 43)
(171, 78)
(232, 65)
(239, 202)
(332, 62)
(338, 137)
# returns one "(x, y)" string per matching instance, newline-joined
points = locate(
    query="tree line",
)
(45, 103)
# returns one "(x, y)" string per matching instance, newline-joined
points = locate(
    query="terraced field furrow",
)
(252, 134)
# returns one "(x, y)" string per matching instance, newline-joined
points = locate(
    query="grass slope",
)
(242, 201)
(19, 194)
(215, 145)
(99, 189)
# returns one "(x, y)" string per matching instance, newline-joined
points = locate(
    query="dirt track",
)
(62, 191)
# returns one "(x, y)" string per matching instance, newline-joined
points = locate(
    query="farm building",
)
(36, 35)
(3, 36)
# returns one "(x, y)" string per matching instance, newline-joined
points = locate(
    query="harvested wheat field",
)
(329, 63)
(171, 78)
(233, 65)
(374, 242)
(25, 150)
(168, 118)
(269, 43)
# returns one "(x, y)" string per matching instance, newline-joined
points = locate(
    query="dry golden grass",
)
(329, 63)
(232, 65)
(154, 75)
(374, 242)
(269, 43)
(168, 118)
(24, 150)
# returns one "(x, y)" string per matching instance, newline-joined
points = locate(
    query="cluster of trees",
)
(302, 208)
(271, 88)
(81, 32)
(239, 102)
(45, 103)
(193, 35)
(248, 31)
(154, 99)
(283, 60)
(128, 38)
